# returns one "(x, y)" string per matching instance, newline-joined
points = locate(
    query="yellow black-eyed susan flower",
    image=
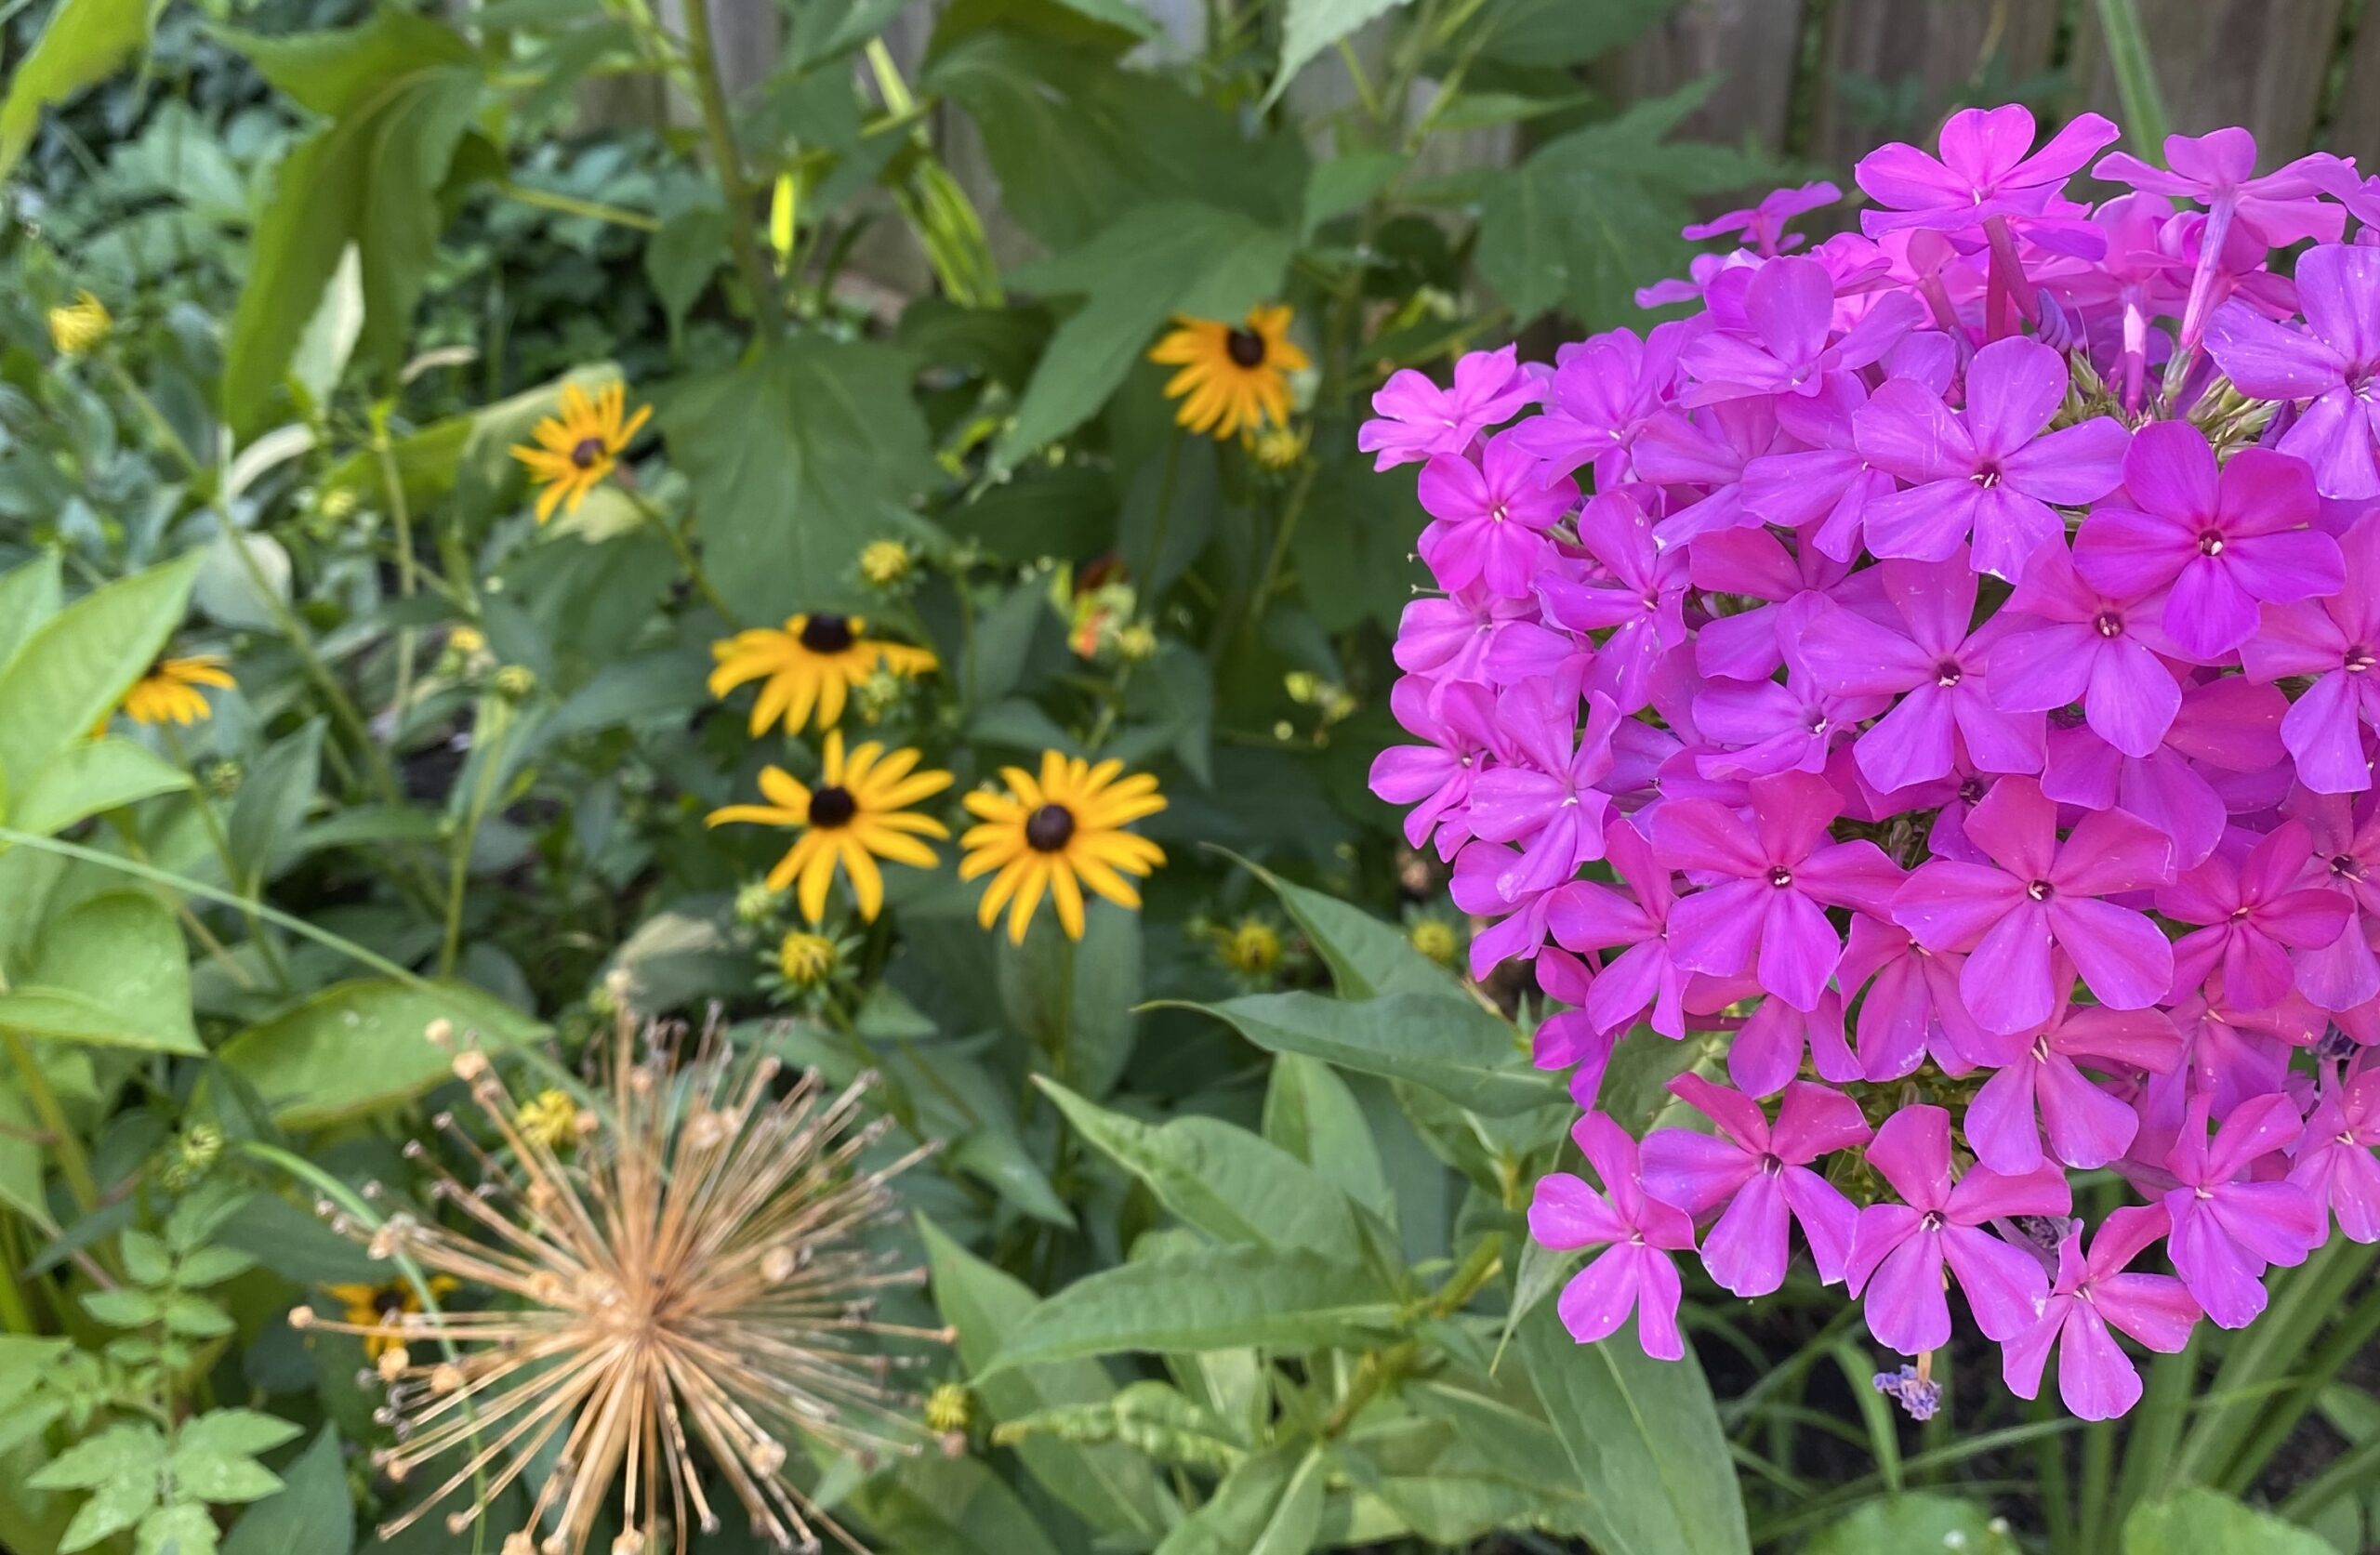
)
(1054, 835)
(381, 1310)
(1232, 375)
(578, 447)
(858, 813)
(809, 666)
(79, 326)
(169, 693)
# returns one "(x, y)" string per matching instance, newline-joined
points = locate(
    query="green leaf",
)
(1310, 1112)
(1562, 33)
(1270, 1505)
(1205, 1298)
(87, 778)
(271, 804)
(1172, 256)
(29, 596)
(2197, 1521)
(312, 1515)
(933, 1505)
(1902, 1523)
(401, 90)
(1075, 140)
(1367, 957)
(1219, 1177)
(184, 1528)
(234, 1432)
(125, 1452)
(1344, 183)
(83, 45)
(1594, 215)
(124, 1309)
(113, 1508)
(1644, 1441)
(75, 668)
(195, 1317)
(1311, 26)
(794, 455)
(681, 258)
(146, 1261)
(1446, 1042)
(1111, 1486)
(357, 1047)
(111, 971)
(211, 1266)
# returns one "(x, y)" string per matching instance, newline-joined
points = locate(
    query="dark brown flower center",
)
(832, 806)
(586, 451)
(1049, 828)
(826, 634)
(1245, 346)
(390, 1302)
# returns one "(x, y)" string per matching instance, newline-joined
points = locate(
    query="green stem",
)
(495, 723)
(16, 1311)
(400, 514)
(72, 1165)
(222, 841)
(2302, 1302)
(684, 552)
(570, 204)
(702, 54)
(2148, 1453)
(2350, 1472)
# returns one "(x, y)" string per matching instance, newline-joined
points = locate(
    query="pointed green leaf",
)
(1367, 957)
(1448, 1042)
(1270, 1505)
(357, 1047)
(1310, 1111)
(1205, 1298)
(2198, 1521)
(88, 778)
(83, 43)
(314, 1513)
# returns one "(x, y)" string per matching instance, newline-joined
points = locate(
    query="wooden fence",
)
(1820, 81)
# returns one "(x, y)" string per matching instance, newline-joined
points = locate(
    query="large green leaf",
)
(1644, 1441)
(2197, 1521)
(76, 667)
(399, 90)
(1900, 1523)
(1594, 215)
(1172, 256)
(359, 1046)
(87, 778)
(795, 455)
(1448, 1042)
(1077, 139)
(1205, 1298)
(1112, 1486)
(111, 970)
(1269, 1505)
(1221, 1178)
(83, 43)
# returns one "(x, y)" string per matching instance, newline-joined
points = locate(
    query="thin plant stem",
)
(727, 160)
(684, 550)
(490, 755)
(401, 515)
(72, 1163)
(570, 204)
(222, 841)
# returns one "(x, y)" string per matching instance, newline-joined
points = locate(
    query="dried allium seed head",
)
(518, 1544)
(301, 1317)
(723, 1227)
(469, 1064)
(392, 1364)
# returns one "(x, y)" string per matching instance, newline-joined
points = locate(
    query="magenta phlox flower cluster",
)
(1945, 669)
